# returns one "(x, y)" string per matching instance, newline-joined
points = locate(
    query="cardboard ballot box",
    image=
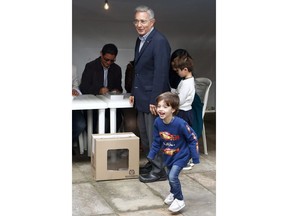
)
(115, 156)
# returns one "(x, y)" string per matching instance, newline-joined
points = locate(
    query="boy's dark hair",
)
(171, 99)
(179, 52)
(109, 48)
(182, 62)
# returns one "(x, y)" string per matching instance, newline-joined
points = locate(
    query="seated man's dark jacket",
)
(93, 77)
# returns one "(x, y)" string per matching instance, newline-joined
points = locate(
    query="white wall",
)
(190, 26)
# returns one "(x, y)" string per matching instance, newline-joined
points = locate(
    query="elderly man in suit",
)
(151, 62)
(101, 76)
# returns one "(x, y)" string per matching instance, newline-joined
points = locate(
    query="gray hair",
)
(143, 8)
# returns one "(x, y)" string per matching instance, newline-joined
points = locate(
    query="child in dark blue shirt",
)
(178, 142)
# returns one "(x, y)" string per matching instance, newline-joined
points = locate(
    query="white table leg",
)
(113, 118)
(101, 126)
(101, 121)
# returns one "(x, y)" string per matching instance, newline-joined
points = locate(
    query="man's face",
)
(107, 59)
(142, 23)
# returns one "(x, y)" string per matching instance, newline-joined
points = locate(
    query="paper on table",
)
(116, 96)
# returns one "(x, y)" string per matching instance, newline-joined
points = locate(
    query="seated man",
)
(101, 76)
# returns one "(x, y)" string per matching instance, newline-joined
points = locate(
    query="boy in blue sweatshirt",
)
(178, 142)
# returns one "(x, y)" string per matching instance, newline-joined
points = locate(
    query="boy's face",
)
(164, 111)
(182, 73)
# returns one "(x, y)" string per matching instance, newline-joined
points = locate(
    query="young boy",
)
(183, 65)
(178, 142)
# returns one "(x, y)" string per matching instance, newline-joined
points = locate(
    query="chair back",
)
(202, 87)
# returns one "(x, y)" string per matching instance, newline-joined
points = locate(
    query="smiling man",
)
(151, 62)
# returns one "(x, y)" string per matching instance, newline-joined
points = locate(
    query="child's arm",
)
(192, 142)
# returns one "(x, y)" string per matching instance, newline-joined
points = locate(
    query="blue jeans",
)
(174, 182)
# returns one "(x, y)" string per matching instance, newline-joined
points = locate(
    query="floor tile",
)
(87, 201)
(128, 195)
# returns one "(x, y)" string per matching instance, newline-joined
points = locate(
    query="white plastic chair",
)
(202, 86)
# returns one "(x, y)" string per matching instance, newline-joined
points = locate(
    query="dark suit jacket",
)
(151, 70)
(93, 77)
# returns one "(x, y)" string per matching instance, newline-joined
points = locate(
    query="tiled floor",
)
(133, 198)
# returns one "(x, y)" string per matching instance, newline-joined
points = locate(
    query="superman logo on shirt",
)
(167, 136)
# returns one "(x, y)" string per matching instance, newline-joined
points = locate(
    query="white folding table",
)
(113, 104)
(89, 102)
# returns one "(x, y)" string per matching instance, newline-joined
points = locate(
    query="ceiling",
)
(196, 12)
